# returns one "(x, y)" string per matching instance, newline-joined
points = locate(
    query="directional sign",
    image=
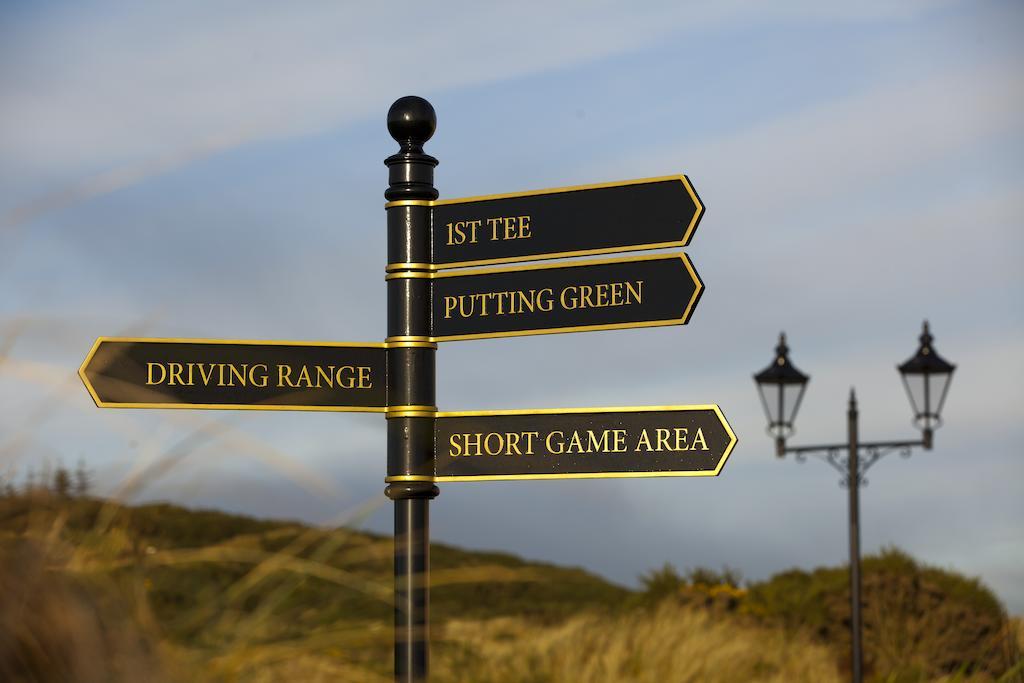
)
(607, 294)
(663, 441)
(255, 375)
(569, 221)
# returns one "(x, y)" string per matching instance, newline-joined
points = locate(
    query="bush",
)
(919, 622)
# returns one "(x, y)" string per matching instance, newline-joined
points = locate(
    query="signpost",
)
(651, 213)
(607, 294)
(425, 305)
(205, 373)
(582, 443)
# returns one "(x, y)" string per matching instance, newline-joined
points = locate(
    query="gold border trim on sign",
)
(224, 406)
(682, 242)
(598, 475)
(682, 320)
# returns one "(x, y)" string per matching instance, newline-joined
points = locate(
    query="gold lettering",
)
(457, 232)
(594, 445)
(575, 443)
(206, 376)
(545, 299)
(698, 438)
(364, 377)
(149, 374)
(346, 377)
(256, 379)
(513, 302)
(450, 302)
(568, 303)
(326, 376)
(476, 444)
(529, 441)
(601, 295)
(585, 291)
(616, 294)
(662, 439)
(644, 442)
(284, 376)
(494, 222)
(175, 370)
(454, 446)
(462, 311)
(637, 293)
(681, 434)
(240, 374)
(560, 444)
(487, 444)
(526, 301)
(502, 228)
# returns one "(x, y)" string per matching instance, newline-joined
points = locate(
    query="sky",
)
(214, 170)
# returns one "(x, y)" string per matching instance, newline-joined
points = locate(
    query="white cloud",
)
(136, 90)
(848, 147)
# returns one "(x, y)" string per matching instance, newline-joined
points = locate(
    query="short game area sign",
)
(583, 443)
(433, 297)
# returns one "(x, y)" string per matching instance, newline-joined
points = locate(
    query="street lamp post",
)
(926, 377)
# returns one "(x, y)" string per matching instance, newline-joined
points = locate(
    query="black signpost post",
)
(411, 380)
(427, 303)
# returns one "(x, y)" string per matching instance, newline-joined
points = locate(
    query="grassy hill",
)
(92, 590)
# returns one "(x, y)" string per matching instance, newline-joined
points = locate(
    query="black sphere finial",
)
(411, 122)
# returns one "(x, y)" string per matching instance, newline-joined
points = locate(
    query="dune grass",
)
(91, 590)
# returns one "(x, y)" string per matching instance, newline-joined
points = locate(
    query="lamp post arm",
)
(837, 455)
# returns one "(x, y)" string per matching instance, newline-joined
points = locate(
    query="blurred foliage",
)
(93, 590)
(920, 623)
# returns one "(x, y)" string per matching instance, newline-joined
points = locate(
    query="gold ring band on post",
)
(410, 411)
(400, 339)
(409, 202)
(410, 275)
(392, 267)
(403, 344)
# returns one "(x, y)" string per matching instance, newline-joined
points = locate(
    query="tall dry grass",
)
(669, 643)
(79, 607)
